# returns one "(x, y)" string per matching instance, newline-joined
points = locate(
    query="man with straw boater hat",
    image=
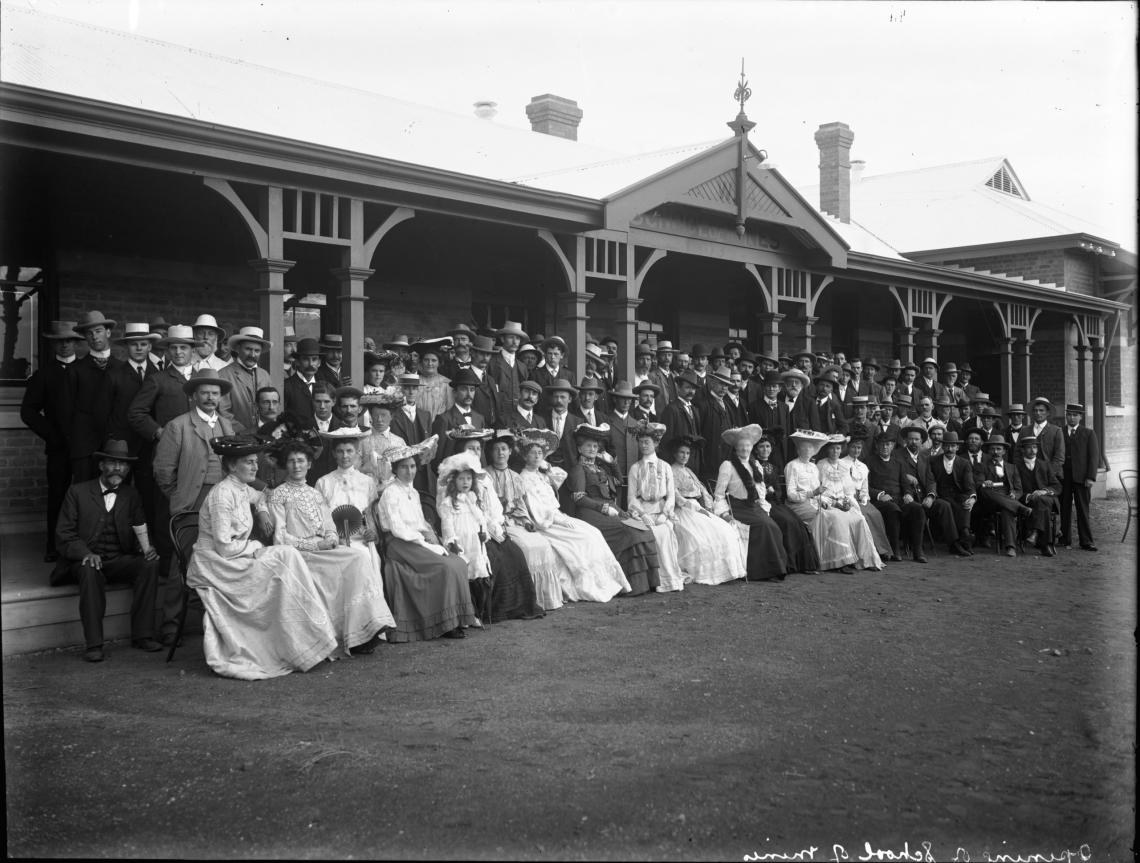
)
(48, 409)
(208, 336)
(102, 536)
(186, 466)
(662, 374)
(246, 377)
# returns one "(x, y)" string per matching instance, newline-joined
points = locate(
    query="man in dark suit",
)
(892, 495)
(681, 417)
(524, 415)
(954, 481)
(48, 409)
(461, 413)
(662, 373)
(587, 406)
(927, 383)
(770, 412)
(1041, 492)
(413, 424)
(505, 368)
(562, 422)
(646, 407)
(127, 379)
(554, 351)
(299, 385)
(1082, 460)
(1050, 440)
(486, 400)
(622, 446)
(802, 412)
(716, 418)
(332, 354)
(92, 394)
(102, 536)
(916, 465)
(1000, 491)
(829, 411)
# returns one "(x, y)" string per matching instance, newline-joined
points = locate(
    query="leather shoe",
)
(1048, 551)
(1031, 538)
(168, 639)
(93, 654)
(1089, 547)
(920, 558)
(455, 633)
(895, 558)
(147, 644)
(1010, 551)
(957, 550)
(848, 569)
(987, 542)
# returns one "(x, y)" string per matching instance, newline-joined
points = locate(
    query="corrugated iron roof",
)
(948, 206)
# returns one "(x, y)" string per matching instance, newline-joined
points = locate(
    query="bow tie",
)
(108, 491)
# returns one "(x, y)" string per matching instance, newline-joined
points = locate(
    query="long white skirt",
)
(543, 564)
(264, 615)
(349, 581)
(843, 538)
(710, 549)
(668, 559)
(588, 569)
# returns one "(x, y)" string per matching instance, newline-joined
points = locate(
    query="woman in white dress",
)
(840, 492)
(859, 476)
(831, 526)
(435, 394)
(652, 500)
(588, 569)
(345, 575)
(426, 585)
(506, 485)
(264, 616)
(348, 486)
(709, 547)
(380, 406)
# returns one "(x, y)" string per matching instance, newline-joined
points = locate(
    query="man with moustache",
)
(207, 335)
(1082, 461)
(461, 413)
(246, 377)
(102, 536)
(505, 369)
(48, 409)
(662, 374)
(486, 400)
(771, 414)
(681, 418)
(92, 411)
(299, 385)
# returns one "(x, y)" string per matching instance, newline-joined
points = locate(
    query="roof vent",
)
(1003, 182)
(486, 110)
(554, 115)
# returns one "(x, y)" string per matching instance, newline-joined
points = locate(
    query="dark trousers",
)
(908, 517)
(58, 479)
(945, 521)
(83, 469)
(991, 501)
(130, 568)
(1039, 520)
(1080, 494)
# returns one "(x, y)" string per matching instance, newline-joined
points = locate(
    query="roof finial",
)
(743, 93)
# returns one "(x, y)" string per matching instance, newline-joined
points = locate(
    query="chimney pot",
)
(554, 115)
(834, 141)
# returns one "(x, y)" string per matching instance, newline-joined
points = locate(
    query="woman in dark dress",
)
(593, 488)
(798, 544)
(741, 496)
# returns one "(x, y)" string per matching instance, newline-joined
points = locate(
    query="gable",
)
(721, 189)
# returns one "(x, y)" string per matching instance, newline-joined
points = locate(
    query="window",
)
(20, 295)
(303, 314)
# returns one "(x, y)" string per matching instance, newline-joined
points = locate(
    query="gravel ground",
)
(984, 706)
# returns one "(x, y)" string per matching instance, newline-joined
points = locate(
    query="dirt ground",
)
(985, 707)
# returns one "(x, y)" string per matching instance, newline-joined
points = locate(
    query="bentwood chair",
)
(1128, 483)
(183, 533)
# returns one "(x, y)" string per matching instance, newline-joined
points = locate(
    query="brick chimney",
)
(834, 141)
(554, 115)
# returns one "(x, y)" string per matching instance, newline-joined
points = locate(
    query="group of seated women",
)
(366, 556)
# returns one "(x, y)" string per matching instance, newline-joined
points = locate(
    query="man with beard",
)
(246, 377)
(207, 335)
(894, 496)
(102, 536)
(916, 466)
(505, 369)
(682, 419)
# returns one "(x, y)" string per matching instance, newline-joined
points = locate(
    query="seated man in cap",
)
(48, 409)
(246, 377)
(895, 497)
(1050, 441)
(186, 468)
(1041, 491)
(207, 335)
(954, 481)
(102, 536)
(1000, 492)
(1082, 461)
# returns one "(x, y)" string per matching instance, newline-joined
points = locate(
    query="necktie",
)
(558, 421)
(160, 365)
(142, 373)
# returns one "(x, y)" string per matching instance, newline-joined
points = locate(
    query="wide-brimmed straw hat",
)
(512, 328)
(645, 428)
(528, 348)
(236, 445)
(398, 453)
(349, 433)
(1041, 400)
(248, 334)
(431, 346)
(545, 438)
(332, 342)
(203, 377)
(389, 398)
(591, 432)
(209, 322)
(816, 439)
(750, 433)
(138, 332)
(797, 374)
(178, 334)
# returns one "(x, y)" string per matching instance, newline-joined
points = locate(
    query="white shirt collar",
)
(102, 355)
(65, 360)
(206, 418)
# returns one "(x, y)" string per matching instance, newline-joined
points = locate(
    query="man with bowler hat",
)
(92, 393)
(1082, 460)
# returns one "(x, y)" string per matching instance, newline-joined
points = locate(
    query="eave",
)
(1037, 244)
(61, 123)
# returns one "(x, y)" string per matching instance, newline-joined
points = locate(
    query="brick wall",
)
(1081, 271)
(1052, 368)
(1043, 266)
(23, 488)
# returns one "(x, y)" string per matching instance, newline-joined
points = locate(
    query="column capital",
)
(1024, 345)
(626, 302)
(1097, 353)
(271, 265)
(1005, 344)
(576, 296)
(1081, 350)
(772, 317)
(352, 273)
(811, 319)
(909, 332)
